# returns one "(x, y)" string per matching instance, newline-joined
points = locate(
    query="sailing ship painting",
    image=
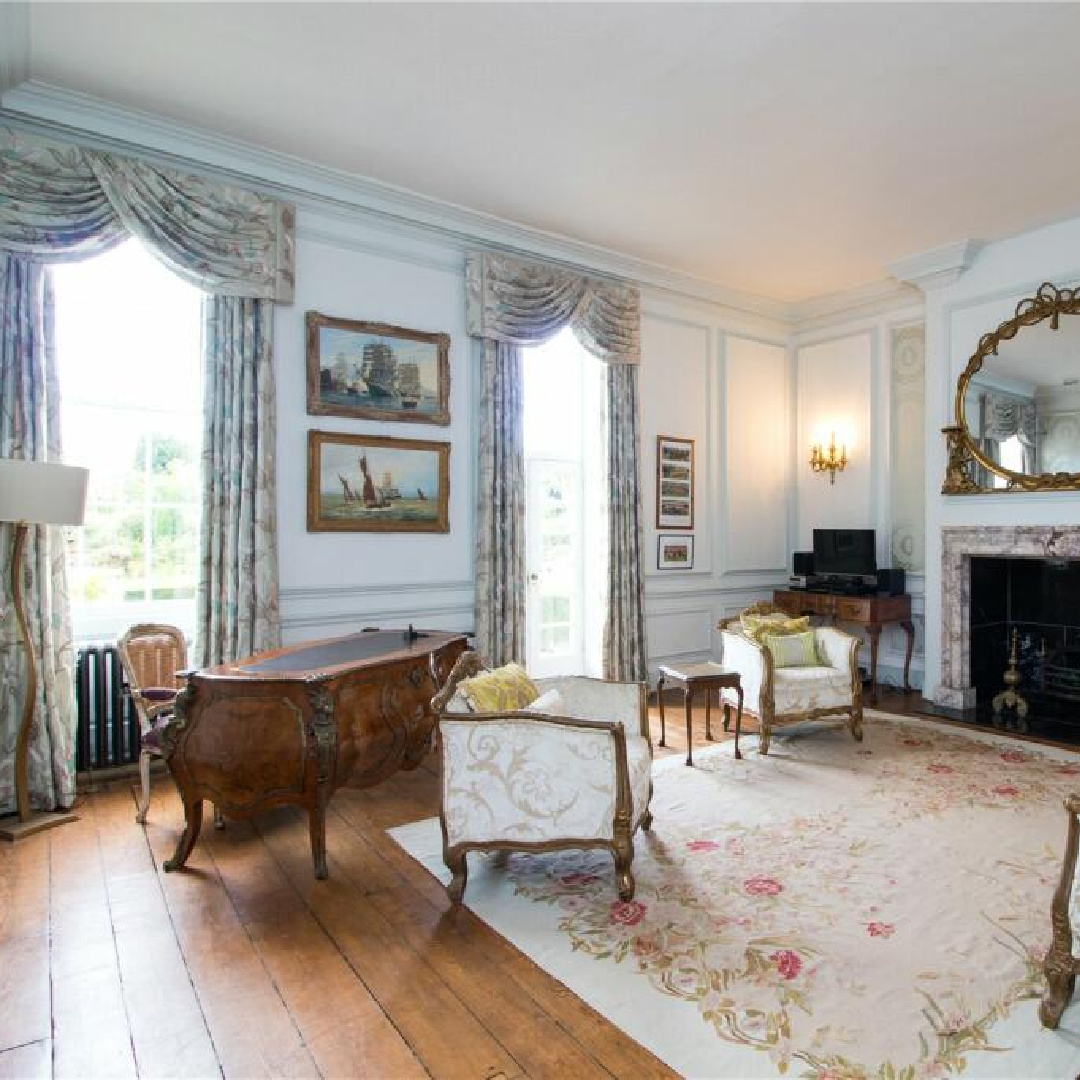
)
(376, 371)
(363, 483)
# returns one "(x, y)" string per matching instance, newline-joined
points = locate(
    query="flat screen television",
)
(845, 552)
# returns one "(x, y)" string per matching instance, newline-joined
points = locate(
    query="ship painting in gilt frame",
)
(374, 371)
(365, 483)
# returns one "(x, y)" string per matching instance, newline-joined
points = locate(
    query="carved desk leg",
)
(171, 734)
(323, 729)
(192, 827)
(909, 630)
(874, 631)
(1059, 966)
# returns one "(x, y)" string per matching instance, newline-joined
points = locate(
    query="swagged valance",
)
(1005, 416)
(65, 202)
(522, 302)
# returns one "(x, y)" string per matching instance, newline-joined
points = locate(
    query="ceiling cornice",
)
(864, 301)
(15, 44)
(40, 105)
(78, 115)
(937, 267)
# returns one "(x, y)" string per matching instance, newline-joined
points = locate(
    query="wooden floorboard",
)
(244, 965)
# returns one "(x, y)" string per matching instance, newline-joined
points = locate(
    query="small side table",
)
(691, 677)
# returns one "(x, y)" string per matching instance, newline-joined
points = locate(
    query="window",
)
(129, 346)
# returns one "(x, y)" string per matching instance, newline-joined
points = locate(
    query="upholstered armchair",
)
(533, 781)
(783, 695)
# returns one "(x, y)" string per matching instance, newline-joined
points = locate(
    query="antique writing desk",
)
(289, 727)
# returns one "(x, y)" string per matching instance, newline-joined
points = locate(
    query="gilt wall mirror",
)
(1017, 424)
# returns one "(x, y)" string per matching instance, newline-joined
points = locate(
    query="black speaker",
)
(802, 563)
(891, 581)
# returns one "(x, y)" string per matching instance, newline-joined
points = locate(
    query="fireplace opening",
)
(1039, 598)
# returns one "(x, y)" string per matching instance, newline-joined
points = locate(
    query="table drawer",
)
(857, 610)
(805, 603)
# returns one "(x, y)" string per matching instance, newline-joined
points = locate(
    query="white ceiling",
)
(790, 150)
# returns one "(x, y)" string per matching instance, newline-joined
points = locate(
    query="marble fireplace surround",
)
(958, 544)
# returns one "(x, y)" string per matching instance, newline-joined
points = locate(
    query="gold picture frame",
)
(375, 371)
(674, 483)
(364, 483)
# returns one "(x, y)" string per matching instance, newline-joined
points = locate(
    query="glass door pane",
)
(554, 567)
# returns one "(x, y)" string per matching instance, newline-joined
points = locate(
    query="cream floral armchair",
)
(532, 781)
(787, 695)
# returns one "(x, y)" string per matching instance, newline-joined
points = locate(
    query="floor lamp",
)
(33, 493)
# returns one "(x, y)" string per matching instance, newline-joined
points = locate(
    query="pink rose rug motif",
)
(832, 910)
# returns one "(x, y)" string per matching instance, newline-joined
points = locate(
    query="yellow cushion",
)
(505, 689)
(778, 624)
(792, 650)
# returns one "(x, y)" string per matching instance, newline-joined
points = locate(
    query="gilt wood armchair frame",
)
(621, 844)
(1060, 966)
(764, 709)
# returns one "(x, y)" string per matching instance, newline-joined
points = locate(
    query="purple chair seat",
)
(151, 741)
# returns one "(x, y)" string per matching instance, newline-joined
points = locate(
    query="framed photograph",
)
(373, 371)
(674, 483)
(364, 483)
(675, 552)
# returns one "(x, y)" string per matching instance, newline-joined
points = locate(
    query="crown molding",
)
(78, 115)
(15, 44)
(937, 267)
(864, 301)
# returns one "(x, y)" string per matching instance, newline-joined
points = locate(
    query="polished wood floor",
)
(245, 966)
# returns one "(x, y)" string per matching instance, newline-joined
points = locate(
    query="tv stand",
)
(870, 612)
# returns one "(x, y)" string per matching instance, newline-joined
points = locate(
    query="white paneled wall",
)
(844, 383)
(335, 583)
(677, 387)
(756, 459)
(836, 393)
(727, 385)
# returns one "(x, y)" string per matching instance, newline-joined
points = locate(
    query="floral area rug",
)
(833, 910)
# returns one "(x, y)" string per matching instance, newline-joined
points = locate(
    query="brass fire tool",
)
(1009, 698)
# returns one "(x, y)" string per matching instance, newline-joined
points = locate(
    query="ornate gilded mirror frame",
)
(965, 457)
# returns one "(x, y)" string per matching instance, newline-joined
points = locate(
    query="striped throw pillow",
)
(792, 650)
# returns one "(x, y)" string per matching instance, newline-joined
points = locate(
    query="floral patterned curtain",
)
(1004, 416)
(30, 430)
(238, 584)
(523, 302)
(63, 202)
(624, 629)
(500, 531)
(513, 303)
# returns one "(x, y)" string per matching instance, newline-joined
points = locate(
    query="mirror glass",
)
(1022, 408)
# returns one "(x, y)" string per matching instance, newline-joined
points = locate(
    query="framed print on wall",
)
(674, 483)
(365, 483)
(374, 371)
(675, 552)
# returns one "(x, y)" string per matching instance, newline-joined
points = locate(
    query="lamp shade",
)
(42, 494)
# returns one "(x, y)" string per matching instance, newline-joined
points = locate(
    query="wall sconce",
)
(828, 460)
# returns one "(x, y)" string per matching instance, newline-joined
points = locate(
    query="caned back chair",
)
(151, 655)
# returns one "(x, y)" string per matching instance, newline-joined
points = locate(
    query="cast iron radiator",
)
(107, 726)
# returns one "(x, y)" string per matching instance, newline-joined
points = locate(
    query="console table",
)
(871, 612)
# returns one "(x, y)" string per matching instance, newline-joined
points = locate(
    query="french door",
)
(555, 567)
